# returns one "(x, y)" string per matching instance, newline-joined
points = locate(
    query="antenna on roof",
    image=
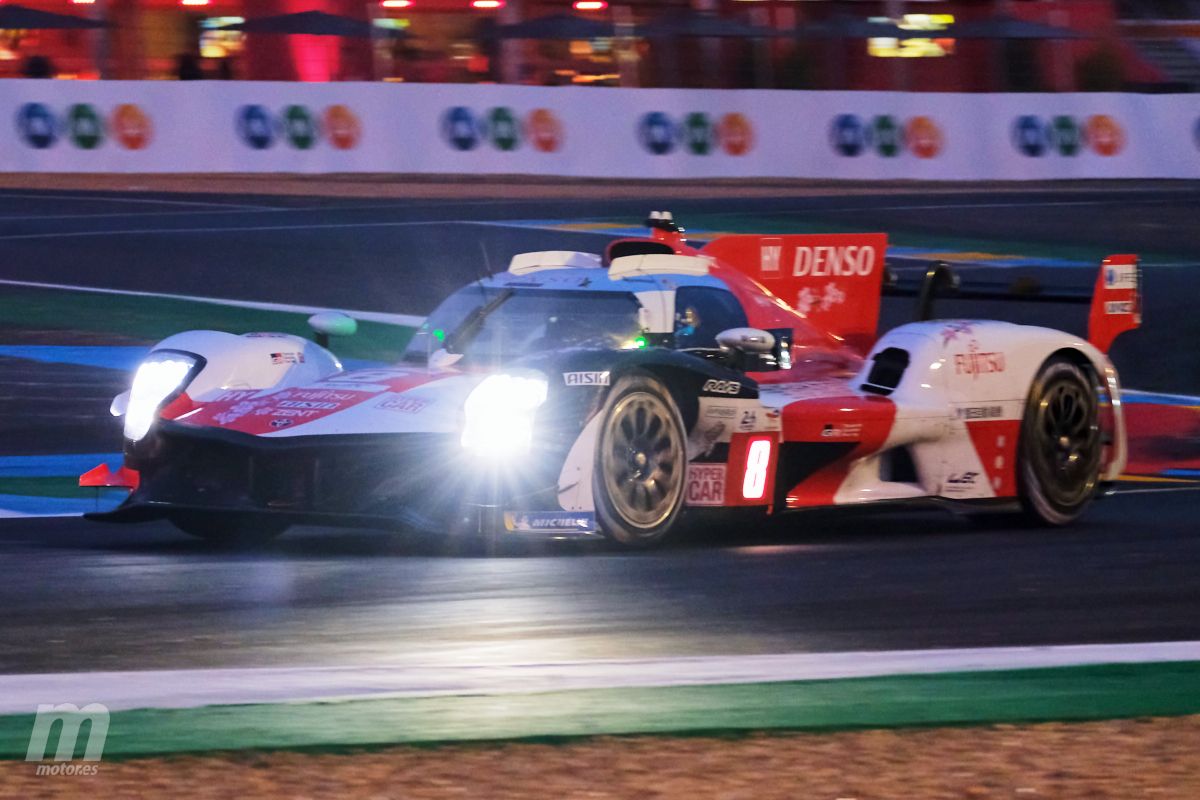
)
(663, 221)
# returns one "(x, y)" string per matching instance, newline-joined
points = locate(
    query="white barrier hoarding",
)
(203, 126)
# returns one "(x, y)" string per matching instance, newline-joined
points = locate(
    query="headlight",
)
(499, 415)
(157, 378)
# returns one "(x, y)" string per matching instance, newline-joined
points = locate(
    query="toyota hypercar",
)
(635, 394)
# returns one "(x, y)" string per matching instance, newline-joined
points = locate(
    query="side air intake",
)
(886, 371)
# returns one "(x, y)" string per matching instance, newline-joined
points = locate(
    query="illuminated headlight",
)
(157, 378)
(499, 415)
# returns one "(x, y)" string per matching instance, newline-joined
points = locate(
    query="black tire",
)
(641, 463)
(1060, 449)
(230, 530)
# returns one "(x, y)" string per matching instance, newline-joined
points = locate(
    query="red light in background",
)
(194, 2)
(82, 2)
(487, 4)
(590, 5)
(396, 3)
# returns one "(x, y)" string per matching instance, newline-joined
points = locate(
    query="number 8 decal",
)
(758, 458)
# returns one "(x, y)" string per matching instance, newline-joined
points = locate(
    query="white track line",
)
(142, 200)
(407, 320)
(470, 673)
(233, 229)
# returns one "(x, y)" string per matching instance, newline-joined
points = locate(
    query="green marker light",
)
(439, 334)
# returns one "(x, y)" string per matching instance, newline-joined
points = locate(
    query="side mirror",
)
(331, 323)
(746, 340)
(752, 350)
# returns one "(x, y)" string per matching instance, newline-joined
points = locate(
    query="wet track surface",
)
(79, 596)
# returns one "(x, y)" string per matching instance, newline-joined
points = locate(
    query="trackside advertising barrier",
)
(202, 126)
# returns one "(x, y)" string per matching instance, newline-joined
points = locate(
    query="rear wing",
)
(1115, 301)
(834, 280)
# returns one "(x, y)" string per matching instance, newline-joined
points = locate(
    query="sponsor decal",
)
(705, 485)
(278, 411)
(317, 404)
(808, 301)
(979, 412)
(825, 261)
(1119, 307)
(287, 358)
(1120, 276)
(886, 135)
(1035, 136)
(342, 127)
(842, 430)
(280, 423)
(234, 395)
(749, 420)
(544, 130)
(976, 363)
(84, 125)
(586, 378)
(721, 387)
(962, 478)
(952, 330)
(464, 129)
(404, 405)
(661, 134)
(720, 412)
(552, 521)
(303, 129)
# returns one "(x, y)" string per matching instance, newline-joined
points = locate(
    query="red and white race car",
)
(634, 394)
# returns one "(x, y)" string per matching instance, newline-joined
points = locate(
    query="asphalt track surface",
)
(83, 597)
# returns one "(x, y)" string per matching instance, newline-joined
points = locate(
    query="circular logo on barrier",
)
(342, 127)
(544, 130)
(847, 135)
(1029, 136)
(84, 126)
(1065, 135)
(657, 133)
(1105, 135)
(886, 136)
(460, 129)
(699, 134)
(503, 130)
(923, 137)
(37, 126)
(256, 127)
(736, 134)
(300, 127)
(131, 126)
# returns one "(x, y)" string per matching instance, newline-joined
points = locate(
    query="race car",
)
(635, 394)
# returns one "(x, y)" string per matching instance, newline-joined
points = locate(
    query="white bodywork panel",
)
(251, 361)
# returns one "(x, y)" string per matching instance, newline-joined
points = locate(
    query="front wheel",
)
(641, 463)
(231, 530)
(1061, 446)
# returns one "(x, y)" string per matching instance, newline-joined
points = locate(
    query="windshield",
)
(486, 324)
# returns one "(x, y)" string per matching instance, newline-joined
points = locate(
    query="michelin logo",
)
(586, 378)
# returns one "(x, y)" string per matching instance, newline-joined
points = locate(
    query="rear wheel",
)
(641, 463)
(1061, 446)
(234, 530)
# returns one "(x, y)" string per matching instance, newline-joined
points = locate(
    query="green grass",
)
(62, 486)
(977, 698)
(150, 319)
